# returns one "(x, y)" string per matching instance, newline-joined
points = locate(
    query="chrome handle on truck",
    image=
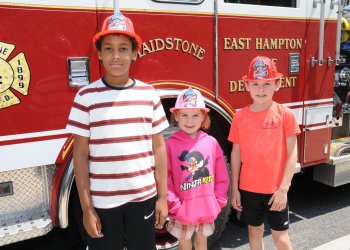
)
(320, 59)
(78, 71)
(321, 36)
(329, 61)
(339, 24)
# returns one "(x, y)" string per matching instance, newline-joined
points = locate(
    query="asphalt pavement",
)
(319, 216)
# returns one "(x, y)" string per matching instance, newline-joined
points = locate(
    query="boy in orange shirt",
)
(263, 157)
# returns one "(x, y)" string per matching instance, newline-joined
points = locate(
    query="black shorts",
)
(255, 208)
(131, 225)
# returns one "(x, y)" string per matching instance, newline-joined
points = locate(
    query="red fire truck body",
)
(46, 54)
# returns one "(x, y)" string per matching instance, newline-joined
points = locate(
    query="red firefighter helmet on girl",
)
(261, 68)
(117, 24)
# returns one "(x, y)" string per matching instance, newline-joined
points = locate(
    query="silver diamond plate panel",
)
(27, 228)
(31, 191)
(334, 174)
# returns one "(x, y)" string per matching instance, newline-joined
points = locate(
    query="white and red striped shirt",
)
(120, 123)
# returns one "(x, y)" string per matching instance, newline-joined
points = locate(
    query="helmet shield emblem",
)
(190, 98)
(260, 70)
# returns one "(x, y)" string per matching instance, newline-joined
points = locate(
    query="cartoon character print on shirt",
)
(196, 165)
(196, 170)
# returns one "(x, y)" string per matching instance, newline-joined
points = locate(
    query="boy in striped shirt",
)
(119, 150)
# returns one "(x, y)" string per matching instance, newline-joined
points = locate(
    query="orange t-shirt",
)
(262, 141)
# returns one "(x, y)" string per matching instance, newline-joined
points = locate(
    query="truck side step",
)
(337, 171)
(24, 228)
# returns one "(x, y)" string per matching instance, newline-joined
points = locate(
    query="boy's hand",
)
(92, 223)
(161, 212)
(278, 201)
(236, 200)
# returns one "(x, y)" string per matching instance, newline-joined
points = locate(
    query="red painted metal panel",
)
(178, 50)
(315, 143)
(46, 38)
(177, 62)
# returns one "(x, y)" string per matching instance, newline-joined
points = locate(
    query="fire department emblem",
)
(14, 76)
(260, 70)
(190, 98)
(117, 22)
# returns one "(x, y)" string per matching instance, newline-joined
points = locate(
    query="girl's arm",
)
(222, 180)
(174, 202)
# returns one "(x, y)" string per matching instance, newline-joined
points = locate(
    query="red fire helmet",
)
(117, 24)
(261, 68)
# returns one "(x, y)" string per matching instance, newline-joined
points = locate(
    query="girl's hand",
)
(92, 223)
(278, 201)
(236, 200)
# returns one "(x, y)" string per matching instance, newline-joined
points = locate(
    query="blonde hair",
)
(205, 125)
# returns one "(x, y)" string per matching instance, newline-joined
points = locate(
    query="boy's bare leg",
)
(185, 244)
(200, 242)
(281, 240)
(256, 237)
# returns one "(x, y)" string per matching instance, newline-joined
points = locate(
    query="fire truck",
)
(46, 55)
